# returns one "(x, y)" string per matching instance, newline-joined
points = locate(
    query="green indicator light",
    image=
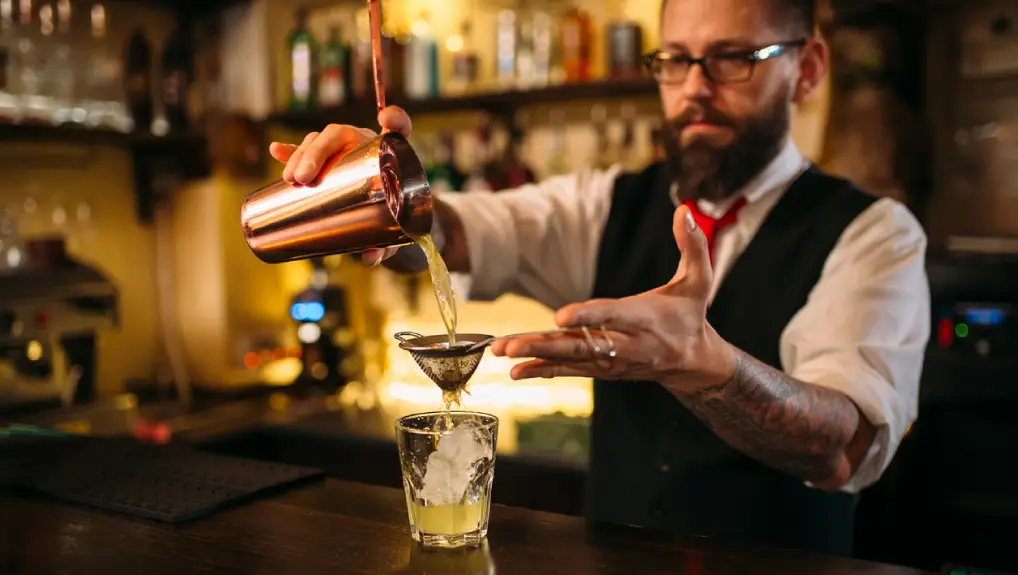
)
(961, 330)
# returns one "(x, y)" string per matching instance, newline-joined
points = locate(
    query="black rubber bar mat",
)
(163, 482)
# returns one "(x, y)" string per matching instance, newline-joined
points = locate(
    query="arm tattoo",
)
(791, 426)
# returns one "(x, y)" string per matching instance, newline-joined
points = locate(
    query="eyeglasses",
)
(721, 68)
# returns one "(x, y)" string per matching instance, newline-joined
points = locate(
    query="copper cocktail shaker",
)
(372, 197)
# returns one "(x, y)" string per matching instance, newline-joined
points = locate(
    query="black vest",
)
(653, 463)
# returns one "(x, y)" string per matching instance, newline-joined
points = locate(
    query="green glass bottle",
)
(302, 51)
(443, 175)
(332, 64)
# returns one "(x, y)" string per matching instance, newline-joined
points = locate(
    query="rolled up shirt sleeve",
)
(865, 326)
(540, 241)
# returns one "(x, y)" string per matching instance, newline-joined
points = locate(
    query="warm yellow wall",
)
(115, 241)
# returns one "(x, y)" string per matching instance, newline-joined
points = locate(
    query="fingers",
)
(625, 315)
(542, 368)
(695, 273)
(281, 152)
(569, 346)
(304, 163)
(374, 256)
(395, 119)
(295, 157)
(335, 139)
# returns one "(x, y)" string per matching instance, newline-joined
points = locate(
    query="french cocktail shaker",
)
(372, 197)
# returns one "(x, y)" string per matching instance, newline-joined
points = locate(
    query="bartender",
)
(752, 388)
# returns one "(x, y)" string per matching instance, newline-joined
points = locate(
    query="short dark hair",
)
(798, 15)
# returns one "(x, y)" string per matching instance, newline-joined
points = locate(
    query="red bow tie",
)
(712, 226)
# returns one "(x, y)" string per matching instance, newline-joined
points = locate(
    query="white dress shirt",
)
(863, 330)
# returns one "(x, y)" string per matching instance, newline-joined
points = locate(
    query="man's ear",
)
(813, 62)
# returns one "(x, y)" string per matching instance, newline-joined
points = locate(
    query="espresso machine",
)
(51, 309)
(323, 329)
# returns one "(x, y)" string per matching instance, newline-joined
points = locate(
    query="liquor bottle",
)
(506, 47)
(463, 60)
(495, 169)
(525, 51)
(480, 164)
(558, 161)
(104, 91)
(359, 68)
(332, 74)
(422, 60)
(443, 175)
(9, 105)
(138, 80)
(361, 80)
(301, 45)
(62, 74)
(542, 49)
(29, 64)
(517, 172)
(396, 56)
(625, 49)
(176, 80)
(577, 35)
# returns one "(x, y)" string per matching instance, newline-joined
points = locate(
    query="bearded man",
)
(764, 323)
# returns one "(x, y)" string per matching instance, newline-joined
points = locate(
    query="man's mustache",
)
(698, 114)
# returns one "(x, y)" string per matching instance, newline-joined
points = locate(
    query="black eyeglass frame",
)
(751, 56)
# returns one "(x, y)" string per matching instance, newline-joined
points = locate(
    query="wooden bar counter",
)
(340, 528)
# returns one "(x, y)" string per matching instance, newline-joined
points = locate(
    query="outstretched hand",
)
(660, 335)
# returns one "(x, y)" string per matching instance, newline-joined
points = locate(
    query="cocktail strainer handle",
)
(403, 336)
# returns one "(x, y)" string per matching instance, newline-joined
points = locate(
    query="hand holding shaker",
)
(371, 197)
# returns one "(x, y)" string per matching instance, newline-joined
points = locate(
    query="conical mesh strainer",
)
(450, 367)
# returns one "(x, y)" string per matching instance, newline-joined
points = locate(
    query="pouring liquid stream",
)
(446, 300)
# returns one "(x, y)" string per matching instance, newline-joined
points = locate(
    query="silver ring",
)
(611, 343)
(590, 339)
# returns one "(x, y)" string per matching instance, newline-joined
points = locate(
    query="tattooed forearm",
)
(794, 427)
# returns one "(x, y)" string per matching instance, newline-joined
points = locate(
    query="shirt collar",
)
(781, 171)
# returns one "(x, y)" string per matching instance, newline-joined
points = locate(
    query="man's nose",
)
(697, 85)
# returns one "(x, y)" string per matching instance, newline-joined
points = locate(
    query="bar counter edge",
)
(352, 528)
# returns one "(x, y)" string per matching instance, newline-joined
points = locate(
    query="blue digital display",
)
(984, 316)
(307, 311)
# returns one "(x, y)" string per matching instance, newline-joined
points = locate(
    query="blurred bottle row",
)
(495, 156)
(58, 67)
(532, 48)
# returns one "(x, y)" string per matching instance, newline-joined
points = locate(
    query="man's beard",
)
(703, 171)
